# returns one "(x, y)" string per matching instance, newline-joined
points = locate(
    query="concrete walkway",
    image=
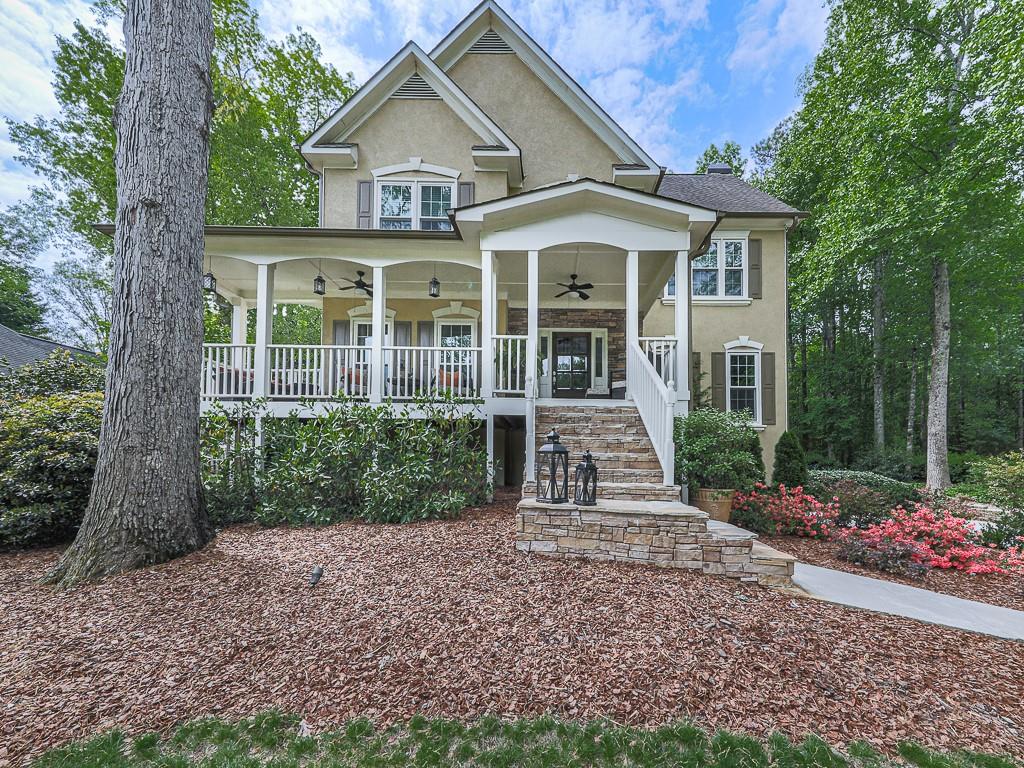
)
(914, 603)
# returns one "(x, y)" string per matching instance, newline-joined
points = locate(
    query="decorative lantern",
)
(435, 288)
(585, 487)
(553, 471)
(319, 285)
(209, 283)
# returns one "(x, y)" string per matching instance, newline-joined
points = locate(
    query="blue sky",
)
(677, 75)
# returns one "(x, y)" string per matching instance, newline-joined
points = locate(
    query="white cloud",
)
(770, 31)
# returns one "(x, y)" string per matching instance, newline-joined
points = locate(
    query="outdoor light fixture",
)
(209, 281)
(435, 286)
(319, 284)
(585, 487)
(553, 471)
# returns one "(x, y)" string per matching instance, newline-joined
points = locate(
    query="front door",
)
(572, 364)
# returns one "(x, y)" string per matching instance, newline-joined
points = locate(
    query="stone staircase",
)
(627, 465)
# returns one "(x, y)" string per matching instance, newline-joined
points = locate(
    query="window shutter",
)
(718, 380)
(754, 268)
(364, 205)
(341, 333)
(768, 387)
(694, 379)
(467, 192)
(403, 333)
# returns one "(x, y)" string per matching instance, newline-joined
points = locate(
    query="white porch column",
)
(632, 312)
(682, 332)
(532, 334)
(379, 329)
(239, 321)
(487, 325)
(264, 329)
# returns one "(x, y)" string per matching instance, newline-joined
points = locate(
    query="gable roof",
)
(488, 18)
(722, 192)
(410, 73)
(18, 349)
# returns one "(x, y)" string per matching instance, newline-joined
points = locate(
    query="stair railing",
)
(656, 405)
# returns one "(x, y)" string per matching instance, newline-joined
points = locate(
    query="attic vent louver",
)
(490, 42)
(415, 88)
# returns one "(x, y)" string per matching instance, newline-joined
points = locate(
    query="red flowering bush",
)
(789, 511)
(937, 539)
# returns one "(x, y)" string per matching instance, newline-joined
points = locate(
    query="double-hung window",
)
(721, 272)
(422, 205)
(743, 377)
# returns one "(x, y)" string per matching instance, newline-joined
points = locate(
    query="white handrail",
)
(318, 371)
(227, 372)
(656, 405)
(510, 365)
(431, 371)
(661, 351)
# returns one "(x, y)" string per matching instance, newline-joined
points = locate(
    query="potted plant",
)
(713, 455)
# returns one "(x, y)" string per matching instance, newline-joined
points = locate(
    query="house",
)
(18, 349)
(486, 229)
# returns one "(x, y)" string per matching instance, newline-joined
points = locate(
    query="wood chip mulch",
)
(447, 619)
(1007, 591)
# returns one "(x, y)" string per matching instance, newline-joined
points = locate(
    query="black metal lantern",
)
(319, 285)
(435, 288)
(553, 471)
(209, 283)
(585, 486)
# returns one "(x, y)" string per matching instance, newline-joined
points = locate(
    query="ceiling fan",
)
(359, 284)
(579, 290)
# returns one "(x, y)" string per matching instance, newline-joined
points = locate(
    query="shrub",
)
(900, 557)
(859, 505)
(790, 511)
(789, 469)
(940, 540)
(60, 371)
(47, 454)
(758, 453)
(713, 449)
(230, 463)
(826, 483)
(1003, 479)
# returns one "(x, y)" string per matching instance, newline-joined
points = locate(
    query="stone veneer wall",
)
(612, 319)
(674, 536)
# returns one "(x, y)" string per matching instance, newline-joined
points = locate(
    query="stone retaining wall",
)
(667, 534)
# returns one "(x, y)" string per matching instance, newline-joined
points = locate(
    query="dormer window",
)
(422, 205)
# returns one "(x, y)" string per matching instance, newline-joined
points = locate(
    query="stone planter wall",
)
(665, 534)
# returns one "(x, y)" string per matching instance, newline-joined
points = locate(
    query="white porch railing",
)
(661, 351)
(656, 404)
(431, 371)
(319, 372)
(509, 365)
(228, 372)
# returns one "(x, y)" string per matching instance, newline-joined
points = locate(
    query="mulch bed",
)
(1007, 591)
(447, 619)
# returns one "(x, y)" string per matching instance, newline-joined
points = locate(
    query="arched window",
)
(743, 377)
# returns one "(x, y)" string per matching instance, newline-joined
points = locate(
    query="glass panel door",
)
(571, 376)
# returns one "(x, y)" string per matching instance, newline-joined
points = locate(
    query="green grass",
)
(271, 740)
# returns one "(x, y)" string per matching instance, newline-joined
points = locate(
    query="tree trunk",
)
(938, 383)
(1020, 411)
(911, 402)
(147, 501)
(878, 363)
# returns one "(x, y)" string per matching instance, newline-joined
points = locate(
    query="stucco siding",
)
(763, 320)
(554, 142)
(400, 129)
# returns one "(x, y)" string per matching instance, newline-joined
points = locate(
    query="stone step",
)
(631, 491)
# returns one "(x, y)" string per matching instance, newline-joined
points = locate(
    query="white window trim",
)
(416, 184)
(416, 164)
(456, 313)
(361, 314)
(720, 237)
(744, 346)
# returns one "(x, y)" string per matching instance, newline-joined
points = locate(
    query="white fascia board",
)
(636, 178)
(477, 212)
(411, 59)
(490, 14)
(345, 158)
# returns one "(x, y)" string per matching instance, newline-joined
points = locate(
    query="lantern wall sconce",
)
(209, 283)
(553, 471)
(435, 288)
(585, 486)
(319, 285)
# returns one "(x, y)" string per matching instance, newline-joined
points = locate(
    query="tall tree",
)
(731, 154)
(22, 239)
(147, 501)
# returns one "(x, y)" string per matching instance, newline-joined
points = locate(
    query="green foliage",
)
(713, 449)
(864, 497)
(1003, 479)
(757, 451)
(274, 739)
(48, 447)
(790, 468)
(731, 154)
(355, 461)
(59, 371)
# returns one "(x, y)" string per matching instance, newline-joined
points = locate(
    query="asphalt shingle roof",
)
(721, 192)
(18, 349)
